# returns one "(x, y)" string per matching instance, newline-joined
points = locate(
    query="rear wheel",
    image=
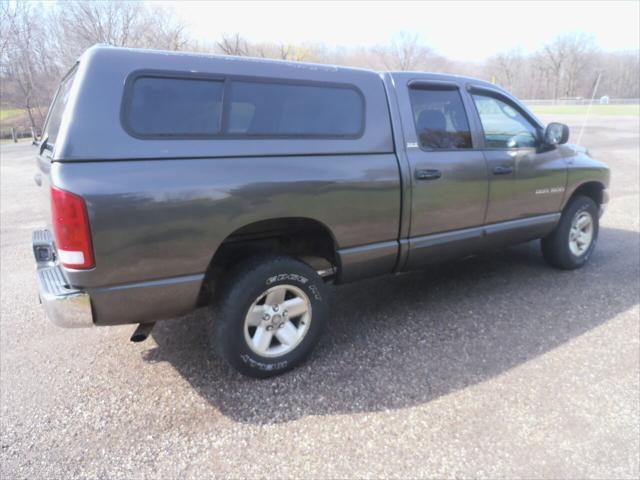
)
(572, 242)
(270, 316)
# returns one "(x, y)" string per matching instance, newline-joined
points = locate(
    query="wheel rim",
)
(581, 233)
(277, 321)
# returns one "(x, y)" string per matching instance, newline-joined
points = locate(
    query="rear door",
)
(527, 179)
(449, 179)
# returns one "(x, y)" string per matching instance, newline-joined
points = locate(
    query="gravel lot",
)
(496, 366)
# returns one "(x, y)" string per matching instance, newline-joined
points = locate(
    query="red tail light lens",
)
(71, 229)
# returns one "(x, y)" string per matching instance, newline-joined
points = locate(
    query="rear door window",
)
(289, 110)
(440, 118)
(175, 107)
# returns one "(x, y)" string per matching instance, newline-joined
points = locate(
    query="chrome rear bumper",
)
(65, 306)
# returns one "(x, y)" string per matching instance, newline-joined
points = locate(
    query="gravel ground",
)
(496, 366)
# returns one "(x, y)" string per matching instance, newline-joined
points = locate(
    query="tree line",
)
(38, 45)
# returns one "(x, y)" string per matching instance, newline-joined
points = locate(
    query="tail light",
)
(71, 229)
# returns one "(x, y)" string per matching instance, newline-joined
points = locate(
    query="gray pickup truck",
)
(174, 181)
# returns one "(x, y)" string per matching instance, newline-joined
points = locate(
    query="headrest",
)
(431, 120)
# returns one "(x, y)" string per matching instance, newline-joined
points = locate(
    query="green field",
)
(582, 109)
(10, 113)
(6, 141)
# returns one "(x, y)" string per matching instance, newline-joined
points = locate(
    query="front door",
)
(526, 179)
(449, 178)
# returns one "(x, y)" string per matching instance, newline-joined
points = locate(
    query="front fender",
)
(584, 172)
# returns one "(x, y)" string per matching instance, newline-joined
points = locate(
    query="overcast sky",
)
(458, 30)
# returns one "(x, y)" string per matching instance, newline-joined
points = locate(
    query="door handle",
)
(502, 170)
(428, 174)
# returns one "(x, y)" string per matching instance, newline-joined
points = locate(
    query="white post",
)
(586, 117)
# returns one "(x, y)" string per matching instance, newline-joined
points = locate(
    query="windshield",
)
(54, 118)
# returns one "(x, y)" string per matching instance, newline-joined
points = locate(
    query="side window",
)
(57, 109)
(503, 125)
(278, 109)
(180, 107)
(440, 119)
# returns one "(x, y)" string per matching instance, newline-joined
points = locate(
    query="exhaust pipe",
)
(142, 332)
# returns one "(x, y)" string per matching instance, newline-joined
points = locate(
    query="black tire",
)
(245, 283)
(555, 247)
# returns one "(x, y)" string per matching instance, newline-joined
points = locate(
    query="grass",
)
(7, 141)
(582, 109)
(10, 113)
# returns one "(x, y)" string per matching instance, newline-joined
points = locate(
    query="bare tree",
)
(554, 55)
(7, 18)
(25, 76)
(620, 73)
(160, 30)
(580, 64)
(506, 68)
(565, 58)
(270, 50)
(78, 24)
(233, 45)
(296, 53)
(405, 52)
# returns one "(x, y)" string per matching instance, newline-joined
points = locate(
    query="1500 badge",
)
(544, 191)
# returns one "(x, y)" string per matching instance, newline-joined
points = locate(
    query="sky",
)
(465, 31)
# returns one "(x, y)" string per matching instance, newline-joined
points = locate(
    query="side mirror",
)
(556, 134)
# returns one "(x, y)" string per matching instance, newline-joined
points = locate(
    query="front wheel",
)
(572, 242)
(270, 316)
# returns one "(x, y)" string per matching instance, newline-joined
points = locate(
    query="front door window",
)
(503, 125)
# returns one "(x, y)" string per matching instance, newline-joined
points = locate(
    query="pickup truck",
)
(174, 181)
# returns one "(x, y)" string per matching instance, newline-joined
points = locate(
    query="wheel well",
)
(589, 189)
(303, 238)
